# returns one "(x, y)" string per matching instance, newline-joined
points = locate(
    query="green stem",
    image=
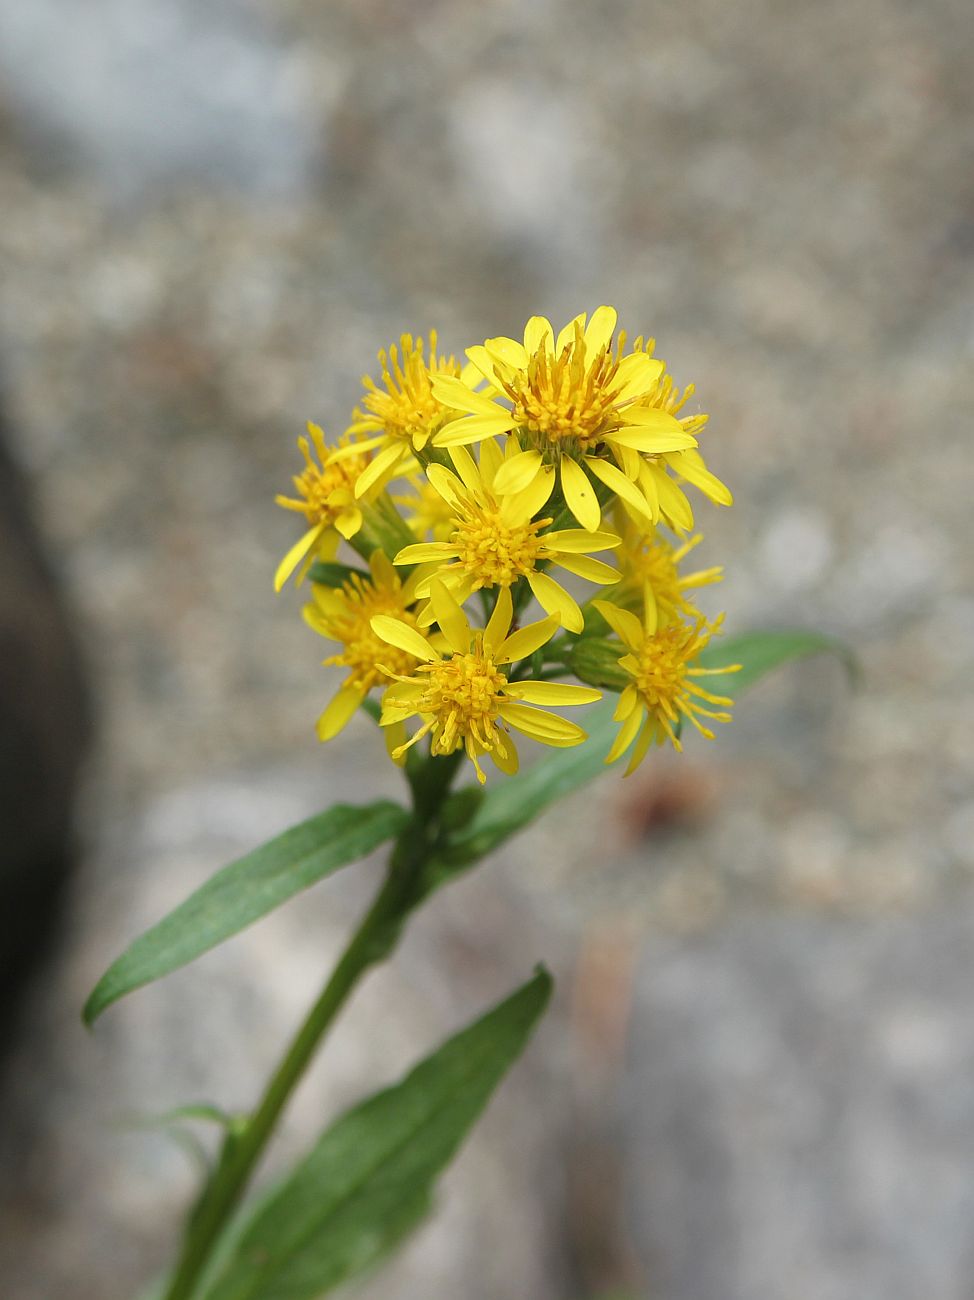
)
(374, 940)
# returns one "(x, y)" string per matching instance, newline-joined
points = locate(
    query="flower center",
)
(660, 671)
(566, 403)
(494, 553)
(407, 408)
(320, 486)
(463, 696)
(363, 651)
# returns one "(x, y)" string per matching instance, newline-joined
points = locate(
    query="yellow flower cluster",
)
(556, 458)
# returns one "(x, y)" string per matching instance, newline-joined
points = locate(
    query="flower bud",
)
(595, 660)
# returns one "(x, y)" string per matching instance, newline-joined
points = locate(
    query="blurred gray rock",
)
(145, 93)
(799, 1110)
(44, 723)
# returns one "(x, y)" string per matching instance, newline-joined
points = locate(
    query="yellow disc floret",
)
(326, 496)
(463, 696)
(567, 398)
(404, 408)
(662, 693)
(493, 552)
(497, 536)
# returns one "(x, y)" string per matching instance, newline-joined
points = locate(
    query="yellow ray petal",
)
(380, 566)
(580, 495)
(395, 737)
(467, 468)
(421, 574)
(491, 459)
(673, 501)
(518, 472)
(355, 449)
(628, 700)
(580, 540)
(342, 706)
(398, 633)
(567, 334)
(584, 566)
(426, 552)
(553, 693)
(646, 738)
(296, 554)
(648, 481)
(473, 428)
(349, 522)
(555, 600)
(549, 728)
(690, 465)
(530, 501)
(626, 734)
(451, 618)
(458, 397)
(504, 754)
(629, 460)
(508, 354)
(599, 330)
(637, 374)
(537, 331)
(651, 441)
(614, 478)
(500, 621)
(385, 462)
(625, 624)
(523, 643)
(446, 483)
(480, 360)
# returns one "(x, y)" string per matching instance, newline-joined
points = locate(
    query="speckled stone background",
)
(757, 1081)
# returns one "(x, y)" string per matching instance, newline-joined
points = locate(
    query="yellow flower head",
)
(345, 614)
(405, 413)
(496, 537)
(326, 497)
(463, 696)
(581, 404)
(651, 576)
(662, 691)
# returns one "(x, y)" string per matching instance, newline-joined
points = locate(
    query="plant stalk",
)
(374, 939)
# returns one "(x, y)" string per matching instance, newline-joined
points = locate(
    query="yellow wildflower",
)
(649, 564)
(662, 691)
(405, 414)
(463, 696)
(579, 405)
(326, 498)
(345, 614)
(496, 538)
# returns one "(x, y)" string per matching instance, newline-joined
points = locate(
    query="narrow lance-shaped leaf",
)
(370, 1177)
(759, 652)
(514, 803)
(246, 890)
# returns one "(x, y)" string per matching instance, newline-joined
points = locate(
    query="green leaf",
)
(759, 652)
(247, 890)
(511, 804)
(370, 1178)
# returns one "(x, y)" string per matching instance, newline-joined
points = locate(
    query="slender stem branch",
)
(375, 938)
